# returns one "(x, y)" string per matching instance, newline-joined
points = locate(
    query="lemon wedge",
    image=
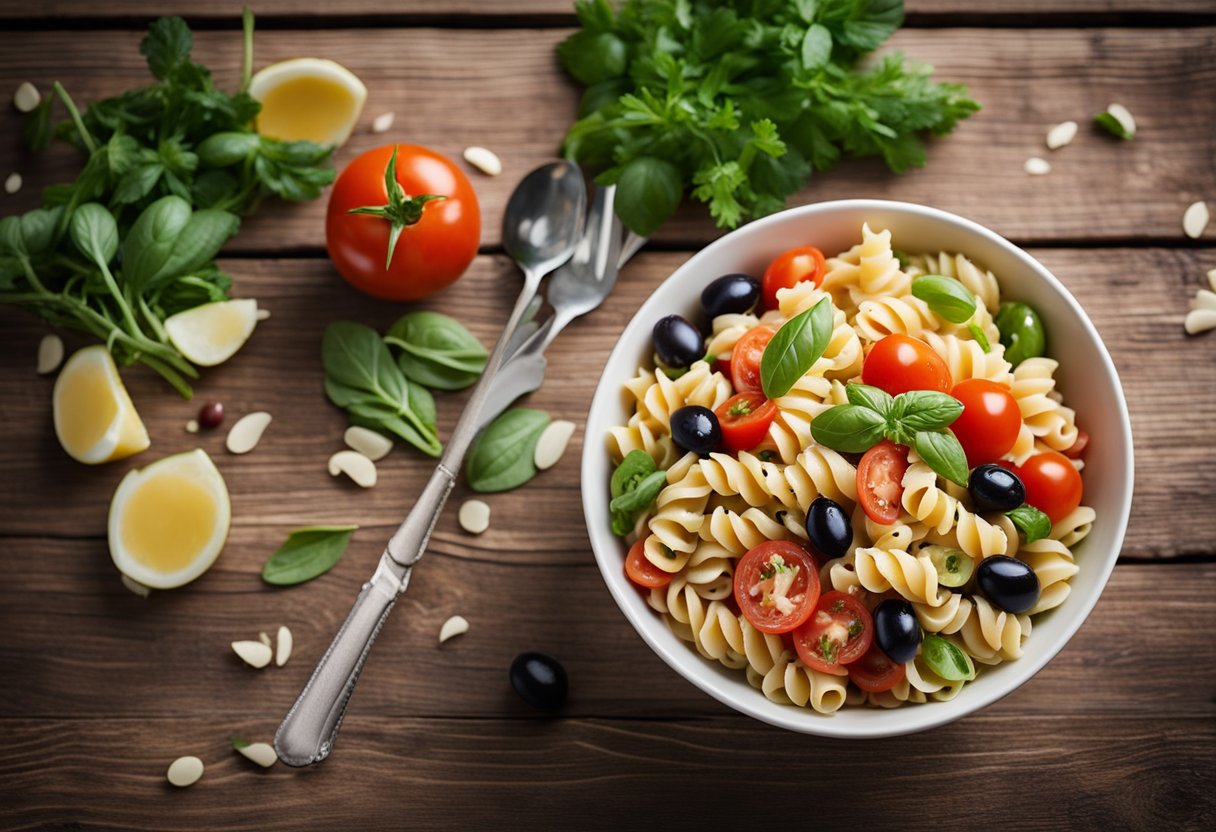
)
(308, 99)
(168, 521)
(212, 333)
(94, 417)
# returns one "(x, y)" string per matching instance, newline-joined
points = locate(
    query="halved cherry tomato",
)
(776, 586)
(641, 571)
(899, 363)
(1078, 448)
(880, 481)
(1052, 485)
(990, 420)
(790, 268)
(875, 672)
(745, 359)
(722, 365)
(745, 418)
(838, 632)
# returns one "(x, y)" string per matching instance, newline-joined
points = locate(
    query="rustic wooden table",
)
(100, 689)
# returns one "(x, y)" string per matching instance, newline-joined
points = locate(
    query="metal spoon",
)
(541, 227)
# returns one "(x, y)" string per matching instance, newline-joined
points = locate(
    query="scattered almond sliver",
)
(1204, 300)
(262, 314)
(383, 122)
(192, 426)
(253, 653)
(375, 446)
(1036, 166)
(1212, 279)
(355, 465)
(264, 638)
(1061, 135)
(259, 752)
(247, 432)
(185, 771)
(454, 626)
(474, 516)
(1195, 220)
(283, 647)
(1200, 320)
(50, 354)
(1122, 115)
(13, 183)
(136, 587)
(26, 97)
(484, 160)
(552, 444)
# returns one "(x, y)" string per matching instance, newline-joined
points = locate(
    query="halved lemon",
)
(169, 521)
(94, 417)
(308, 98)
(212, 333)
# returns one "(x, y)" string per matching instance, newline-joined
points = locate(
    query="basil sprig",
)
(918, 418)
(953, 301)
(635, 484)
(1031, 522)
(947, 660)
(308, 553)
(503, 456)
(436, 350)
(796, 346)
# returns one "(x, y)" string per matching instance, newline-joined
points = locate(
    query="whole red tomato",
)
(402, 223)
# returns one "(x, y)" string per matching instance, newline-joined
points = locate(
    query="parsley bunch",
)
(169, 170)
(739, 100)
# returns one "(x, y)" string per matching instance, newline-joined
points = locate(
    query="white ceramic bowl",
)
(1086, 376)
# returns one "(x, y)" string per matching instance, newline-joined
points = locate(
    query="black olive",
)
(735, 293)
(829, 527)
(696, 429)
(1009, 583)
(539, 680)
(678, 342)
(896, 630)
(994, 488)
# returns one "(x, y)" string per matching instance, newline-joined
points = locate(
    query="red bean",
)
(211, 415)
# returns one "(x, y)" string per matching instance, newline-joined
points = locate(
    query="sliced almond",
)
(192, 426)
(1200, 320)
(1212, 279)
(484, 160)
(13, 183)
(50, 354)
(264, 638)
(185, 771)
(260, 752)
(1204, 300)
(1036, 166)
(552, 444)
(355, 465)
(262, 314)
(247, 432)
(1124, 117)
(1061, 134)
(252, 653)
(375, 446)
(474, 516)
(136, 587)
(454, 626)
(383, 122)
(282, 650)
(1195, 220)
(27, 97)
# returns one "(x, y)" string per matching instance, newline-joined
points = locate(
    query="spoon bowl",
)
(544, 217)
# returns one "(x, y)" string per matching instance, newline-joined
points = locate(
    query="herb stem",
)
(85, 136)
(247, 63)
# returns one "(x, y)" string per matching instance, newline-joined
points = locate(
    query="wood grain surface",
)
(100, 689)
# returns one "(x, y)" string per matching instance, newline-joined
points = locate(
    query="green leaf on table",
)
(502, 456)
(308, 553)
(795, 348)
(437, 350)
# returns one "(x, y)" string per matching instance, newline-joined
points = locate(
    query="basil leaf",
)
(221, 150)
(622, 523)
(354, 355)
(945, 296)
(377, 417)
(437, 350)
(795, 348)
(95, 233)
(308, 553)
(640, 497)
(980, 338)
(648, 191)
(942, 452)
(423, 404)
(38, 229)
(501, 458)
(946, 659)
(927, 410)
(816, 47)
(593, 57)
(1032, 523)
(635, 467)
(848, 428)
(150, 241)
(863, 395)
(202, 237)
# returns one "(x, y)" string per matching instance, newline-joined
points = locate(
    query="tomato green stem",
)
(401, 210)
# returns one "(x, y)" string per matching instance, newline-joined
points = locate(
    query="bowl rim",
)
(801, 720)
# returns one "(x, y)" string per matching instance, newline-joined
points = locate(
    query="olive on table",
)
(1009, 583)
(896, 630)
(829, 528)
(994, 488)
(539, 680)
(1021, 330)
(730, 293)
(677, 342)
(695, 428)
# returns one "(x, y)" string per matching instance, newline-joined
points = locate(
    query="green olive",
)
(1021, 332)
(954, 567)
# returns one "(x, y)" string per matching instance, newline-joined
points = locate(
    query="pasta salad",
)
(853, 479)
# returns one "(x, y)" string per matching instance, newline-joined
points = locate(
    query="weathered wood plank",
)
(1148, 772)
(503, 89)
(1137, 298)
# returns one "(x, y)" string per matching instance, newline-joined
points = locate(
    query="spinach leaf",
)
(634, 485)
(501, 457)
(150, 242)
(437, 350)
(795, 348)
(308, 553)
(95, 233)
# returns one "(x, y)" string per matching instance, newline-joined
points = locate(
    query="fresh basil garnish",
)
(928, 410)
(502, 456)
(308, 553)
(980, 338)
(942, 452)
(945, 296)
(634, 485)
(796, 346)
(437, 350)
(1031, 522)
(849, 428)
(946, 659)
(872, 397)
